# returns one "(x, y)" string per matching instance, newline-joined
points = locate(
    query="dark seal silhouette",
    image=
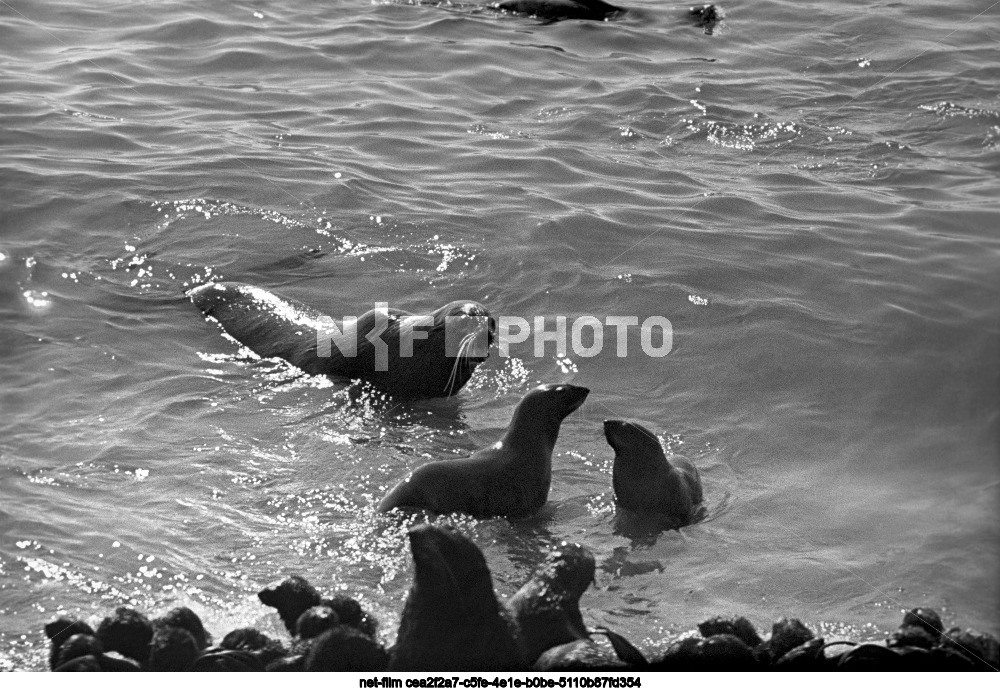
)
(343, 648)
(560, 9)
(511, 478)
(407, 356)
(186, 619)
(452, 619)
(128, 632)
(547, 607)
(58, 631)
(291, 597)
(645, 481)
(316, 621)
(172, 650)
(703, 16)
(547, 611)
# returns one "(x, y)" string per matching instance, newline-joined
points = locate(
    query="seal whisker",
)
(463, 347)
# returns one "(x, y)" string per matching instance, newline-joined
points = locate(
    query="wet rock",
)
(982, 649)
(186, 619)
(128, 632)
(727, 652)
(786, 634)
(912, 636)
(83, 664)
(944, 658)
(58, 631)
(870, 657)
(250, 639)
(316, 621)
(684, 654)
(352, 614)
(246, 639)
(77, 646)
(345, 648)
(112, 663)
(739, 627)
(926, 619)
(287, 664)
(808, 656)
(172, 649)
(228, 661)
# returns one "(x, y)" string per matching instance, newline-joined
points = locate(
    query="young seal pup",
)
(510, 478)
(452, 619)
(547, 607)
(547, 611)
(407, 356)
(645, 481)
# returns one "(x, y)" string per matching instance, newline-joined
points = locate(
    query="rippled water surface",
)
(809, 194)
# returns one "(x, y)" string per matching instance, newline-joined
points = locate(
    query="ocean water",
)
(809, 195)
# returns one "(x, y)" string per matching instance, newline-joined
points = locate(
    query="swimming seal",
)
(511, 478)
(452, 619)
(704, 16)
(407, 356)
(554, 10)
(645, 481)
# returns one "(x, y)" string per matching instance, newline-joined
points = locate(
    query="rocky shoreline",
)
(453, 621)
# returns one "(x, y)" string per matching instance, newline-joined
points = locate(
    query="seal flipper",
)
(625, 650)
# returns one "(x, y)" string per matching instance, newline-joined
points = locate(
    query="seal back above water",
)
(560, 9)
(510, 478)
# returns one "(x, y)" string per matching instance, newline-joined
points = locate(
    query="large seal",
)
(407, 356)
(511, 478)
(452, 619)
(645, 481)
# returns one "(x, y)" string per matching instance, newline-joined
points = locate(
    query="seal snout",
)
(569, 396)
(616, 432)
(575, 395)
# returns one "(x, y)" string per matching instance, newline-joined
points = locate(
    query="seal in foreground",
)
(452, 619)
